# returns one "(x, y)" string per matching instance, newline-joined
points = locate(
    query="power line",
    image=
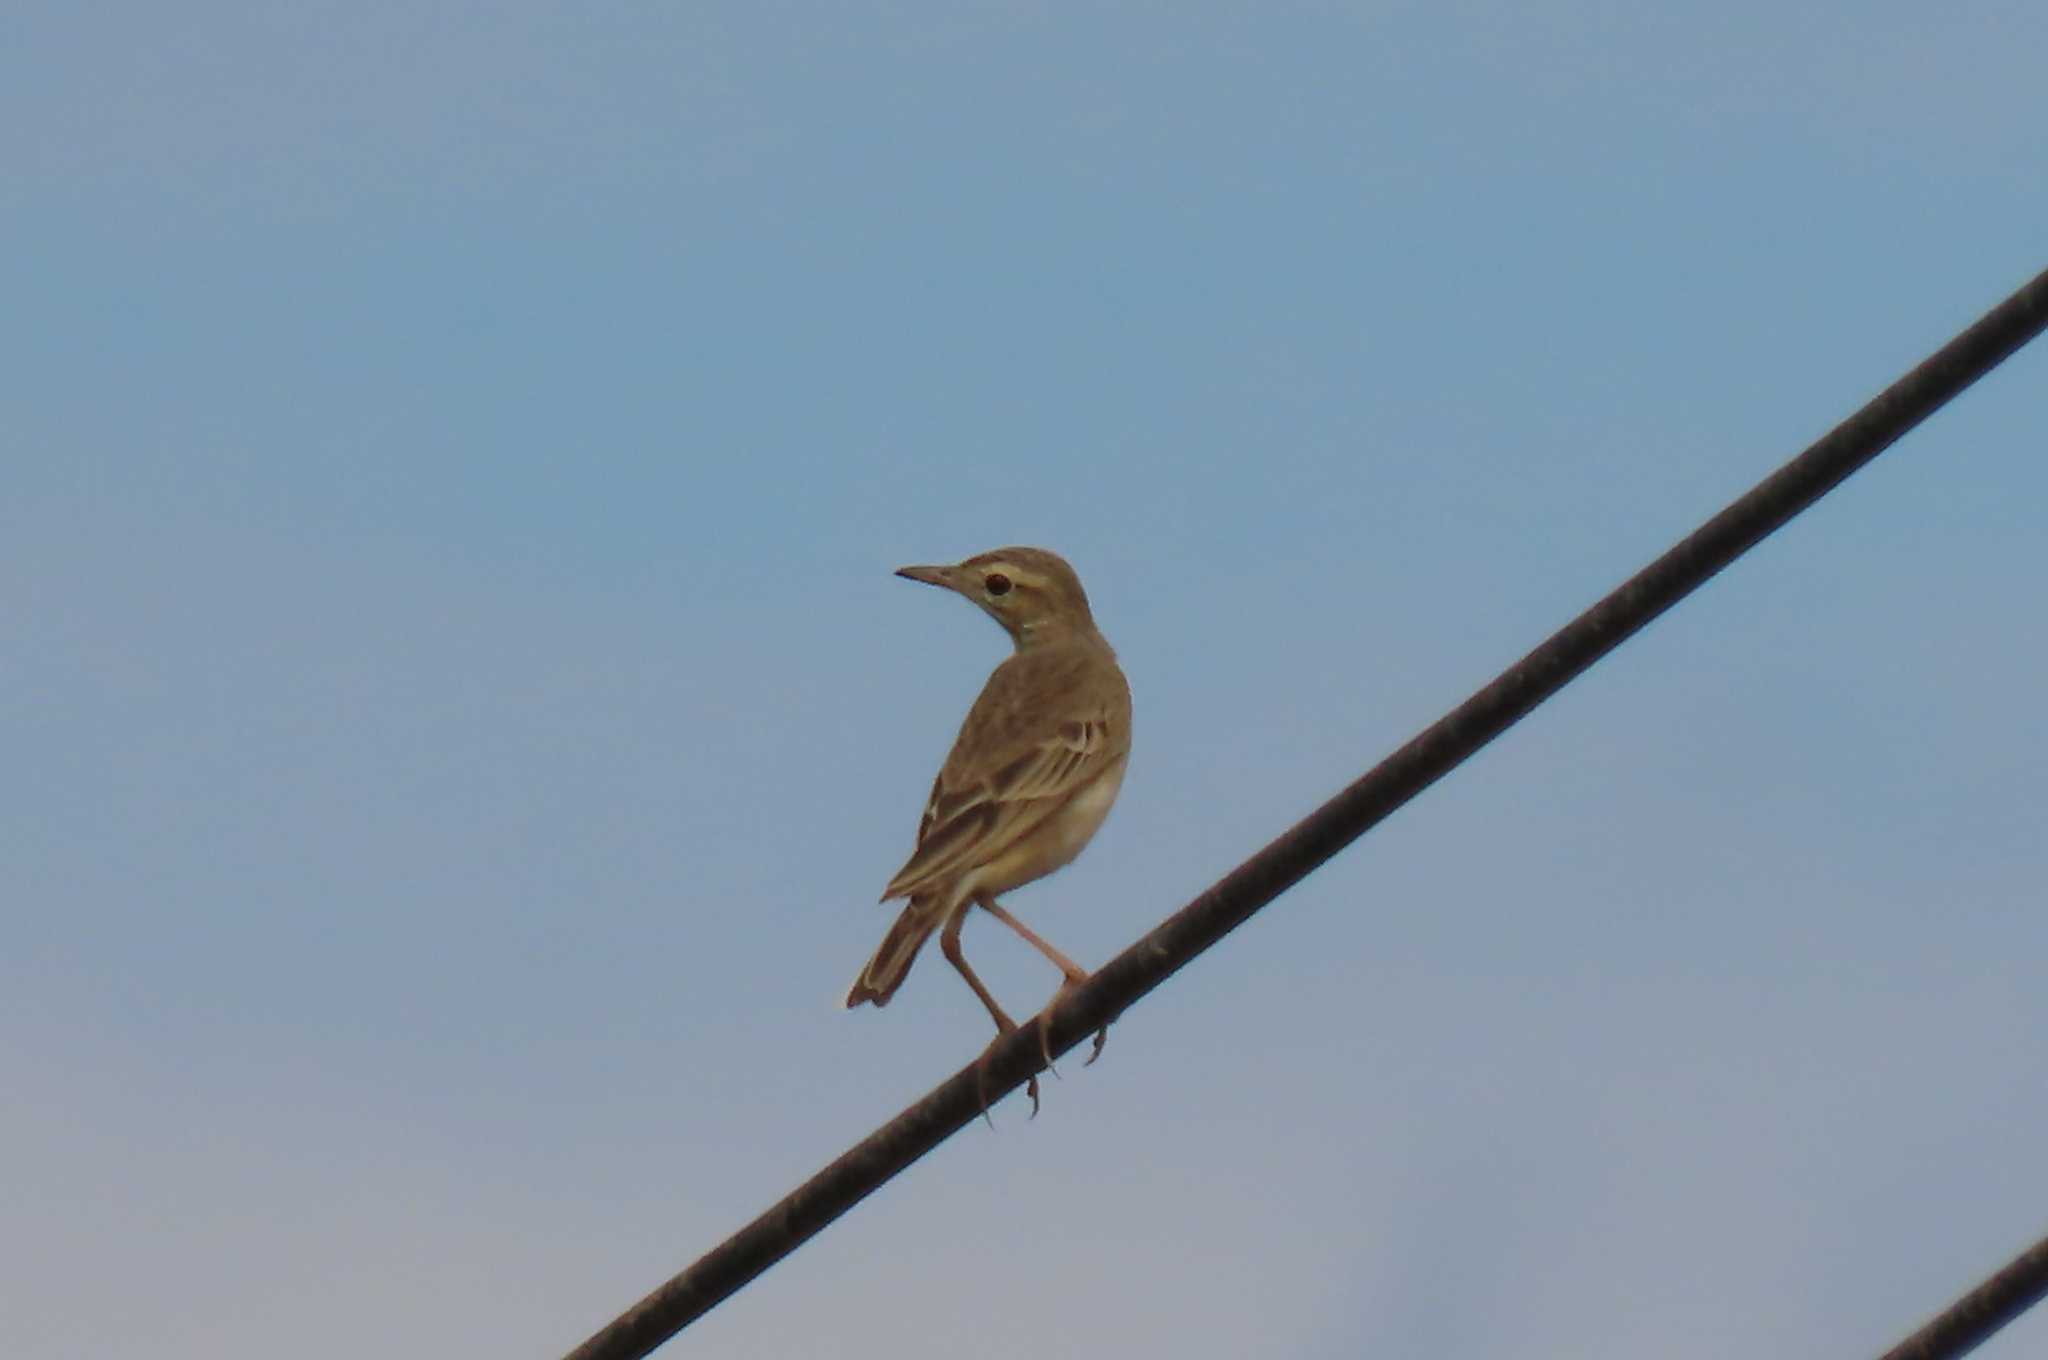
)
(1424, 760)
(1969, 1322)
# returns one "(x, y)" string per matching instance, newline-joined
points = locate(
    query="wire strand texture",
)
(1969, 1322)
(1425, 759)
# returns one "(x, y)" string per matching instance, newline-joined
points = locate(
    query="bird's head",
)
(1033, 593)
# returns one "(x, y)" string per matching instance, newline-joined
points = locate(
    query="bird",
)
(1038, 762)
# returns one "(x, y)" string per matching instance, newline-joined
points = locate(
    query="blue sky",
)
(460, 713)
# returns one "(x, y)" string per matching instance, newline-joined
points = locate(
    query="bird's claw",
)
(981, 1080)
(1045, 1027)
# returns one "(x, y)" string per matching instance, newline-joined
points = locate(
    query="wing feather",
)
(1010, 769)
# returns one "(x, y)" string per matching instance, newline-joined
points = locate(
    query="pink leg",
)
(949, 945)
(1074, 976)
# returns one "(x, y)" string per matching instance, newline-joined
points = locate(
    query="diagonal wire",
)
(1969, 1322)
(861, 1170)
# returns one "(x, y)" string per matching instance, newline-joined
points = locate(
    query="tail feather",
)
(891, 964)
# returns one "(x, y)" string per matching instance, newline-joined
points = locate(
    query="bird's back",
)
(1050, 720)
(1029, 698)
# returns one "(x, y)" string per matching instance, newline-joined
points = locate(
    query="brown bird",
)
(1031, 776)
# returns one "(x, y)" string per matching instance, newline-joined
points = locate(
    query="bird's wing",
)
(980, 806)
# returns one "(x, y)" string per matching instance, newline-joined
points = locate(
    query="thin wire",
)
(1428, 757)
(1969, 1322)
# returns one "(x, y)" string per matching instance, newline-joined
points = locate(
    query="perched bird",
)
(1032, 774)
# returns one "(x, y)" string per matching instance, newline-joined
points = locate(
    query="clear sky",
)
(458, 714)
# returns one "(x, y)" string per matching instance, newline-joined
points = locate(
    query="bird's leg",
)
(1074, 976)
(949, 945)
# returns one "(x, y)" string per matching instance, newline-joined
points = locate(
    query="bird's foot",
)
(1044, 1023)
(981, 1078)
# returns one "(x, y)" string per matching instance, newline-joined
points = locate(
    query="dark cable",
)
(1424, 760)
(1969, 1322)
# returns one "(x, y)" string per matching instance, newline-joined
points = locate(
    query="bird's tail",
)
(891, 964)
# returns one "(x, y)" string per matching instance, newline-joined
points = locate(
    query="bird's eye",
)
(996, 584)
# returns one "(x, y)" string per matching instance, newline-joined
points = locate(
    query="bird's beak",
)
(931, 576)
